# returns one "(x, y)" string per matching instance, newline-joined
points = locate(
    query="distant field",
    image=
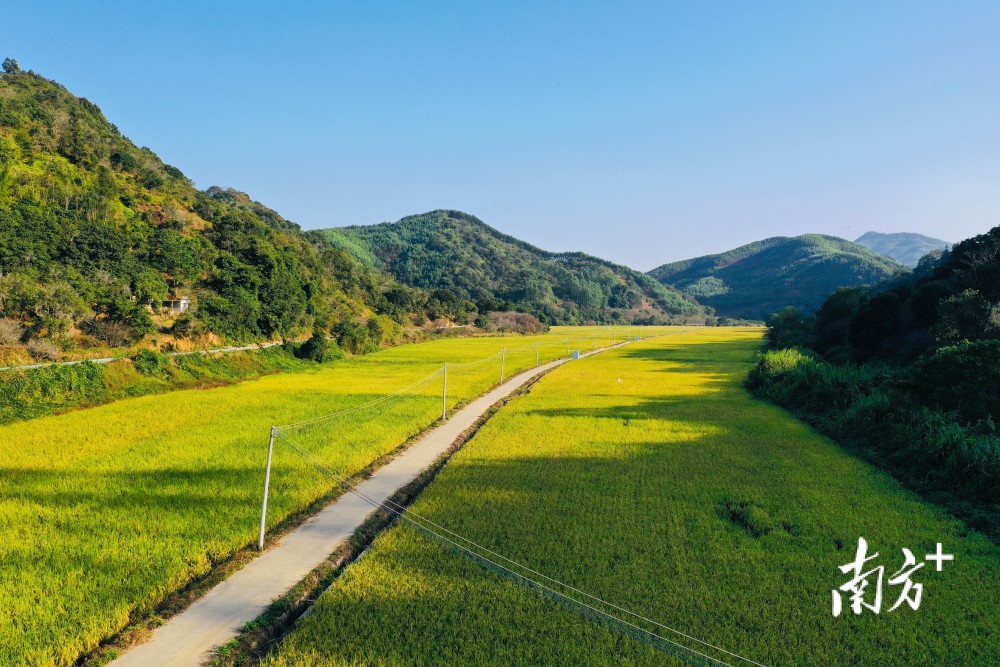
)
(649, 477)
(104, 511)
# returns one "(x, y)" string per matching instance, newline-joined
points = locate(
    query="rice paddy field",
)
(105, 511)
(648, 477)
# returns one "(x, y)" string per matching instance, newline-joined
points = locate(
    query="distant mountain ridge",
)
(757, 279)
(904, 247)
(459, 255)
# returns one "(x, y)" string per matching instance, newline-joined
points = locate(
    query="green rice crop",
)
(649, 477)
(105, 511)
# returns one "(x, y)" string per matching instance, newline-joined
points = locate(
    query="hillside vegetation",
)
(904, 247)
(477, 269)
(58, 388)
(759, 278)
(904, 375)
(649, 478)
(96, 232)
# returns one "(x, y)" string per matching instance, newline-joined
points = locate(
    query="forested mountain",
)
(95, 233)
(904, 247)
(950, 298)
(759, 278)
(479, 269)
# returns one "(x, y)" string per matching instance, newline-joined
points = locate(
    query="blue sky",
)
(640, 132)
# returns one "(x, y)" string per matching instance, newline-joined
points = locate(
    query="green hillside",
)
(95, 233)
(481, 269)
(904, 247)
(759, 278)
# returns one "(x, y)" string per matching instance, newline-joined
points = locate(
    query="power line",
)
(377, 401)
(469, 364)
(382, 404)
(346, 411)
(657, 641)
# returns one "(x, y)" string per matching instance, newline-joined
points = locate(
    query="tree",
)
(10, 66)
(317, 348)
(833, 319)
(116, 307)
(875, 331)
(180, 257)
(351, 336)
(9, 152)
(790, 328)
(624, 296)
(283, 302)
(59, 306)
(965, 316)
(148, 287)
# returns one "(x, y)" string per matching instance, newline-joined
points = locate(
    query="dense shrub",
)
(319, 348)
(11, 331)
(113, 334)
(959, 378)
(32, 393)
(43, 350)
(775, 365)
(149, 362)
(511, 322)
(351, 336)
(384, 330)
(42, 391)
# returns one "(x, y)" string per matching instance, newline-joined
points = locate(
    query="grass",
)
(106, 511)
(649, 477)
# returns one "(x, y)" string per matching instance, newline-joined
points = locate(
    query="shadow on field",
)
(699, 356)
(725, 542)
(179, 491)
(600, 523)
(696, 409)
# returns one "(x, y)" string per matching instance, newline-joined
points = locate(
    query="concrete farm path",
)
(190, 637)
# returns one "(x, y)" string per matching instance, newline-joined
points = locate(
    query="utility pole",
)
(536, 354)
(444, 395)
(267, 483)
(503, 357)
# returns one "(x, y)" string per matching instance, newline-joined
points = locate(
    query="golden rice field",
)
(647, 476)
(105, 511)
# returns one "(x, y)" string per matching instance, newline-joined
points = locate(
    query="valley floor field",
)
(189, 637)
(106, 511)
(648, 477)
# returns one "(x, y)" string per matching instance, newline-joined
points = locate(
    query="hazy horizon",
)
(642, 133)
